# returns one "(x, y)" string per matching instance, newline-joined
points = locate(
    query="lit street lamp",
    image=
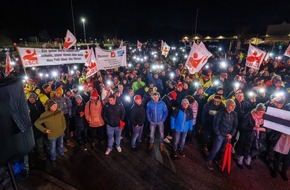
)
(84, 20)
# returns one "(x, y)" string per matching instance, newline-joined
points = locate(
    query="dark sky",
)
(139, 20)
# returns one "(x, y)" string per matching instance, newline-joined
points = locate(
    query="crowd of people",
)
(219, 103)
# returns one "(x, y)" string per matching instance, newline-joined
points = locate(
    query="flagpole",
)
(196, 18)
(73, 20)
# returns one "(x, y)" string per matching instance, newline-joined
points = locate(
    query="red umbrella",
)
(229, 145)
(227, 158)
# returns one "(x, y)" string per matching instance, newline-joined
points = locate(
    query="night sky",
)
(139, 20)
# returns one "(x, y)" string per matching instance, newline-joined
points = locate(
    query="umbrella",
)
(227, 158)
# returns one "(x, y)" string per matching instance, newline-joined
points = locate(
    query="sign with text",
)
(111, 59)
(32, 57)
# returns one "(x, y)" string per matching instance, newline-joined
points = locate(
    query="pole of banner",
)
(24, 69)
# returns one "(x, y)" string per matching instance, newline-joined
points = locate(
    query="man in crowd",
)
(225, 126)
(156, 112)
(113, 114)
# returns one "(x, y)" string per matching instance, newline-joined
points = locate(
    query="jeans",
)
(220, 142)
(111, 131)
(179, 139)
(247, 159)
(137, 134)
(161, 132)
(54, 144)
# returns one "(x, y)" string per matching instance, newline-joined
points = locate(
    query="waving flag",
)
(121, 44)
(287, 52)
(69, 40)
(197, 57)
(165, 49)
(9, 67)
(91, 64)
(139, 44)
(205, 51)
(254, 57)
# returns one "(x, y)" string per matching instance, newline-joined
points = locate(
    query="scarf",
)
(258, 121)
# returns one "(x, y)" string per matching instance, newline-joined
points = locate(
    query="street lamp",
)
(84, 20)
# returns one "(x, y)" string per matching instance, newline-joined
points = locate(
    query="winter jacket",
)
(53, 121)
(35, 110)
(156, 111)
(93, 113)
(225, 123)
(64, 103)
(247, 136)
(182, 119)
(79, 121)
(137, 115)
(113, 114)
(208, 113)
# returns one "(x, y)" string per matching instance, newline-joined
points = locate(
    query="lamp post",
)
(84, 20)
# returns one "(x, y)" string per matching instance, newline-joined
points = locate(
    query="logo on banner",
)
(194, 61)
(113, 54)
(120, 53)
(30, 58)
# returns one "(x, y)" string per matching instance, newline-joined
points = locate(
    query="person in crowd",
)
(225, 126)
(42, 97)
(78, 114)
(201, 99)
(242, 108)
(156, 112)
(52, 122)
(113, 115)
(180, 94)
(64, 103)
(93, 115)
(47, 90)
(250, 133)
(156, 81)
(106, 92)
(181, 122)
(137, 120)
(138, 84)
(209, 111)
(193, 105)
(35, 110)
(282, 156)
(167, 99)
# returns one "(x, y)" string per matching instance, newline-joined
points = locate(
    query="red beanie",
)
(94, 93)
(172, 95)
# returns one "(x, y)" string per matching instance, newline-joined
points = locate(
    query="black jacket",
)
(112, 114)
(137, 115)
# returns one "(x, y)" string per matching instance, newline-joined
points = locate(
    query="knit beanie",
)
(94, 93)
(59, 90)
(33, 95)
(50, 103)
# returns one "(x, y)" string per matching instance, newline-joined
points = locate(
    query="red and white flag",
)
(254, 57)
(287, 52)
(139, 44)
(69, 40)
(196, 58)
(9, 67)
(121, 44)
(91, 64)
(206, 52)
(165, 49)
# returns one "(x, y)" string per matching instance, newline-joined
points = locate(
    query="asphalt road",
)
(92, 170)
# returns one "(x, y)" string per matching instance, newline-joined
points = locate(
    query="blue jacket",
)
(156, 111)
(182, 120)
